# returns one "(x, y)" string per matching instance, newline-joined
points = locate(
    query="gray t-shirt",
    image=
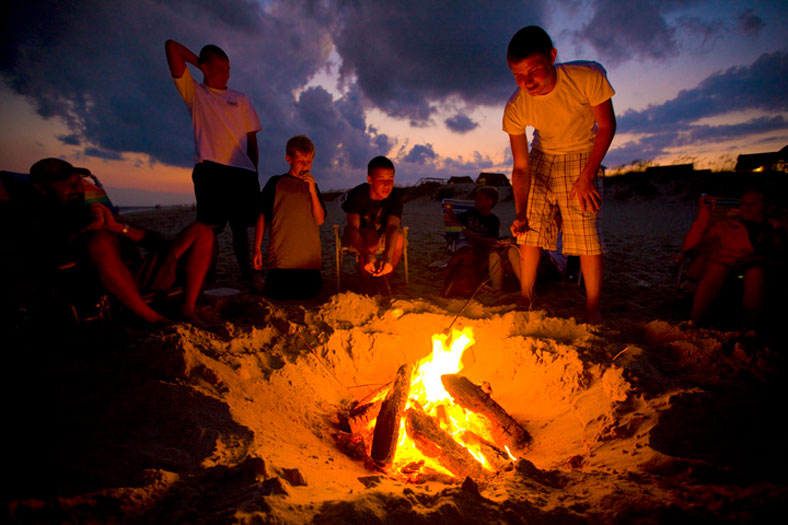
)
(293, 234)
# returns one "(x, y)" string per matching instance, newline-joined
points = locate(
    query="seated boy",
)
(292, 210)
(747, 244)
(374, 215)
(480, 229)
(64, 227)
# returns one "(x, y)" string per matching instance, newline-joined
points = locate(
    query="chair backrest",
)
(452, 229)
(94, 192)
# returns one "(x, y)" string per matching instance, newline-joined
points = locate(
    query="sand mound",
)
(237, 424)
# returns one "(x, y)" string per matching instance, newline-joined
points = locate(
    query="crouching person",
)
(67, 228)
(374, 216)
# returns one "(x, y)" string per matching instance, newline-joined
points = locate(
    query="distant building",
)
(461, 180)
(755, 162)
(492, 179)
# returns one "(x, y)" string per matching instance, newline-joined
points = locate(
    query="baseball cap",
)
(50, 170)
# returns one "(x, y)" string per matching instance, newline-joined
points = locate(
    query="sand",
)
(643, 419)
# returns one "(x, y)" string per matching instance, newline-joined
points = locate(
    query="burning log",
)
(497, 458)
(471, 397)
(435, 442)
(359, 418)
(384, 440)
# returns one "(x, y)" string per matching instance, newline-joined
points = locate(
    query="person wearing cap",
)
(68, 228)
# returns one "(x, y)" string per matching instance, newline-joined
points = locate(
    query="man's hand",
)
(257, 260)
(384, 267)
(586, 193)
(371, 264)
(520, 224)
(98, 214)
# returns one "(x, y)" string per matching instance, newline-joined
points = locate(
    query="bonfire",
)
(432, 423)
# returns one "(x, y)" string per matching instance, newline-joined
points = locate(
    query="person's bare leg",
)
(514, 259)
(195, 243)
(529, 264)
(591, 265)
(752, 300)
(495, 264)
(104, 252)
(708, 288)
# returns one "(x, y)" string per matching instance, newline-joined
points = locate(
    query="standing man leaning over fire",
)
(556, 185)
(225, 142)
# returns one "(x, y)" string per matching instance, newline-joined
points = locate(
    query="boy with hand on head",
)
(225, 142)
(374, 215)
(555, 184)
(292, 210)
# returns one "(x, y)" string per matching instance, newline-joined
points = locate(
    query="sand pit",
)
(238, 426)
(645, 419)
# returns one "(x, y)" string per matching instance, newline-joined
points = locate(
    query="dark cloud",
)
(409, 54)
(461, 123)
(618, 32)
(762, 86)
(100, 66)
(750, 23)
(420, 154)
(702, 33)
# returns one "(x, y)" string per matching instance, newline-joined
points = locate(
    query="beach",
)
(643, 419)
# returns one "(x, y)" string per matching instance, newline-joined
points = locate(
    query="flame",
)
(427, 391)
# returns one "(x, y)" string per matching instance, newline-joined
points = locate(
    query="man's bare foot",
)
(191, 317)
(523, 303)
(594, 316)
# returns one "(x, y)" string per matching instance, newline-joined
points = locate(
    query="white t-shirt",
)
(563, 121)
(222, 118)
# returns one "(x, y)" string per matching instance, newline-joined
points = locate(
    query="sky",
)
(423, 82)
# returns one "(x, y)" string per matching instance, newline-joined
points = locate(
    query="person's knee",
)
(204, 234)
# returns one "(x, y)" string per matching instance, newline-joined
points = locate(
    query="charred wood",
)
(436, 443)
(506, 430)
(497, 458)
(384, 440)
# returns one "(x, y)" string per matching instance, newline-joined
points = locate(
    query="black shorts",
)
(225, 193)
(285, 283)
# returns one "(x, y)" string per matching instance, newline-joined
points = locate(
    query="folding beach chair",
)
(341, 250)
(95, 193)
(452, 229)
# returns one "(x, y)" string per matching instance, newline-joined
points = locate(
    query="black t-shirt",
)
(374, 213)
(484, 225)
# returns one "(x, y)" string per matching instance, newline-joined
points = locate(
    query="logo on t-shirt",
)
(233, 103)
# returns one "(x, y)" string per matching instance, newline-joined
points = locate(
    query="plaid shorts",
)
(550, 210)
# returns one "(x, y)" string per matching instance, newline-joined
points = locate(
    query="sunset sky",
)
(423, 82)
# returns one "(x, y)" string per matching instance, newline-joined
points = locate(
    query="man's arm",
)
(391, 233)
(178, 56)
(318, 212)
(103, 219)
(251, 148)
(257, 254)
(584, 188)
(521, 182)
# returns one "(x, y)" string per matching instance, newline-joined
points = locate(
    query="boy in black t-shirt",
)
(480, 228)
(374, 213)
